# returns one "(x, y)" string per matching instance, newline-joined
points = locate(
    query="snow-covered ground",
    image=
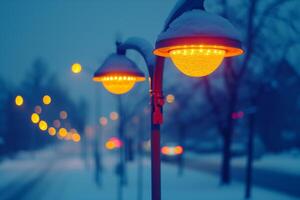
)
(287, 162)
(66, 178)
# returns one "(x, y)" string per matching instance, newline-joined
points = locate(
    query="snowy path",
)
(66, 178)
(264, 175)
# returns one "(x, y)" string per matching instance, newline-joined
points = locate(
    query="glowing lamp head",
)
(197, 42)
(118, 74)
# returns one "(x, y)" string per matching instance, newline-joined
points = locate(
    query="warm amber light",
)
(197, 62)
(43, 125)
(46, 99)
(178, 150)
(110, 145)
(165, 150)
(35, 118)
(76, 68)
(62, 132)
(52, 131)
(63, 115)
(170, 98)
(19, 100)
(119, 84)
(76, 137)
(114, 116)
(103, 121)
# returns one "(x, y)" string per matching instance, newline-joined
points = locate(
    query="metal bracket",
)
(158, 101)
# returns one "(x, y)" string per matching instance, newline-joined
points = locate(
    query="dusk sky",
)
(64, 32)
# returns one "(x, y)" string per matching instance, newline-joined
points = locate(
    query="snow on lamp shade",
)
(118, 74)
(197, 42)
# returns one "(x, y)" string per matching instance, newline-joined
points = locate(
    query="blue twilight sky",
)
(68, 31)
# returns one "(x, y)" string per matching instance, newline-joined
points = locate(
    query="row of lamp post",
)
(61, 132)
(195, 40)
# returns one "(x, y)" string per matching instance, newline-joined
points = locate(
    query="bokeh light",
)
(19, 100)
(114, 116)
(113, 143)
(56, 123)
(52, 131)
(76, 68)
(170, 98)
(76, 137)
(110, 145)
(178, 150)
(62, 132)
(63, 115)
(35, 118)
(43, 125)
(103, 121)
(38, 109)
(47, 99)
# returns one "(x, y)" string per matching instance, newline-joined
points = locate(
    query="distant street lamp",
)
(118, 74)
(47, 99)
(114, 116)
(76, 137)
(62, 132)
(35, 118)
(76, 68)
(52, 131)
(196, 41)
(19, 100)
(170, 98)
(63, 115)
(43, 125)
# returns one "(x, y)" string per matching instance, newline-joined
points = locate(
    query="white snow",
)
(68, 179)
(284, 162)
(144, 47)
(200, 23)
(117, 63)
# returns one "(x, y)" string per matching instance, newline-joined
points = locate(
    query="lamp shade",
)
(118, 74)
(197, 42)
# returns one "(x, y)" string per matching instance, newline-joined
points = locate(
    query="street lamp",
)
(118, 74)
(196, 41)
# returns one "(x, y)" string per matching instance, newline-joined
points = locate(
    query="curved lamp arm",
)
(187, 5)
(155, 69)
(143, 47)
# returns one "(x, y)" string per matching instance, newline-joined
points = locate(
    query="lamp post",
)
(196, 41)
(76, 69)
